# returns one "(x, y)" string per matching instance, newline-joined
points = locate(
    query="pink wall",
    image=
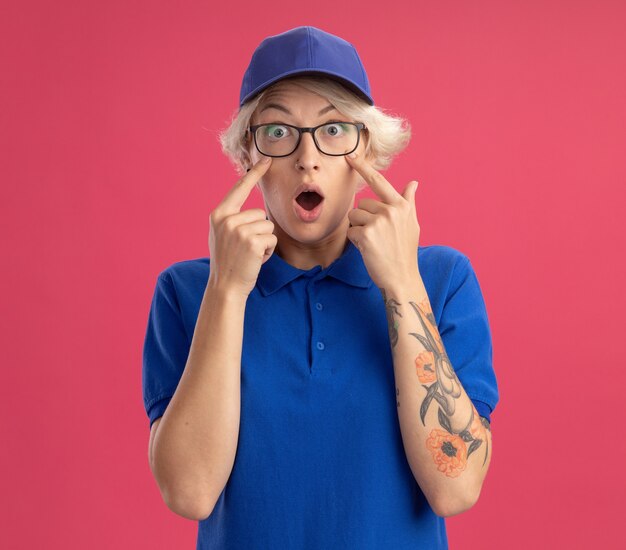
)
(111, 166)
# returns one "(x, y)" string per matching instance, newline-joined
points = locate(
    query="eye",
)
(275, 132)
(335, 129)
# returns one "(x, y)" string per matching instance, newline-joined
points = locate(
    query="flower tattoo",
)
(451, 448)
(449, 452)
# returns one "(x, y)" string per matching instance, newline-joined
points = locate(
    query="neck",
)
(307, 255)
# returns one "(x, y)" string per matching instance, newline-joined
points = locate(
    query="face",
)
(336, 179)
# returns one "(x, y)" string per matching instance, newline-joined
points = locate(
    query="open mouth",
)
(309, 199)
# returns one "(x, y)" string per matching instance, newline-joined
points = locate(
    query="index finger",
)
(237, 195)
(375, 179)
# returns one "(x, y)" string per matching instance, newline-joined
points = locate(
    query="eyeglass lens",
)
(334, 138)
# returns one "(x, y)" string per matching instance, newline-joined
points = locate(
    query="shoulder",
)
(441, 259)
(186, 272)
(443, 270)
(182, 284)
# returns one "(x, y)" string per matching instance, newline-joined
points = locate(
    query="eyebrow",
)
(279, 107)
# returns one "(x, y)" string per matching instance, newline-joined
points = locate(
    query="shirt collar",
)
(349, 268)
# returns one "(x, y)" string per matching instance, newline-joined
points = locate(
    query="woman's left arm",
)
(447, 444)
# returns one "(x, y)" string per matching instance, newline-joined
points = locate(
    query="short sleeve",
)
(165, 350)
(464, 329)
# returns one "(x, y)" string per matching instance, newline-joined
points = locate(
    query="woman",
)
(301, 383)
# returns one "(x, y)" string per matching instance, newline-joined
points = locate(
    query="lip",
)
(307, 215)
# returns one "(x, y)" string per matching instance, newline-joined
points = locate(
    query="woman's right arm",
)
(192, 449)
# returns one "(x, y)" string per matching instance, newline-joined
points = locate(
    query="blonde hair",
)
(386, 135)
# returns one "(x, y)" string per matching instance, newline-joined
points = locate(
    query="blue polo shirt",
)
(320, 462)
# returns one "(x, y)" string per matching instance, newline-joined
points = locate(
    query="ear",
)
(246, 157)
(370, 157)
(247, 164)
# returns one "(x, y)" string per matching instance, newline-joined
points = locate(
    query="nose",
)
(307, 154)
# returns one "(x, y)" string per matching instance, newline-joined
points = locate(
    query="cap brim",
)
(297, 72)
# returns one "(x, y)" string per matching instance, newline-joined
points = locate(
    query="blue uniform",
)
(320, 462)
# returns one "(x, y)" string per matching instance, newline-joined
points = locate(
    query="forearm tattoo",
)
(451, 447)
(392, 325)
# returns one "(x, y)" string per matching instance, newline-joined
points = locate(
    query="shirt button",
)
(320, 345)
(319, 306)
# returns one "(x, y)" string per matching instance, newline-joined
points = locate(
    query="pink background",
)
(111, 166)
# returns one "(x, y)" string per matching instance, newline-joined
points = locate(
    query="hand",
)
(240, 242)
(386, 231)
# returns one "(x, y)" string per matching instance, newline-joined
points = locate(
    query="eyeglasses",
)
(332, 138)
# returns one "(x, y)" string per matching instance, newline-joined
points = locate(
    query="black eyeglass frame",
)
(360, 126)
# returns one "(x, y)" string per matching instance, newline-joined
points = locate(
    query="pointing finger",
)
(238, 194)
(374, 179)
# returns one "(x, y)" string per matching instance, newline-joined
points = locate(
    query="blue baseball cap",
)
(300, 51)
